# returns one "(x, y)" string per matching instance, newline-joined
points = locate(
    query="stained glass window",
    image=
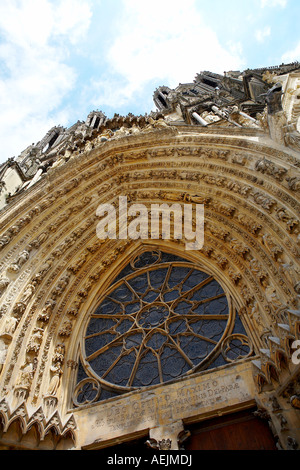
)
(161, 318)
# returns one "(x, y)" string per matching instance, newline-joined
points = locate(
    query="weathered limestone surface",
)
(242, 163)
(160, 407)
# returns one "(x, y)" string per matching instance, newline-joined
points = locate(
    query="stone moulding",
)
(62, 428)
(67, 191)
(251, 231)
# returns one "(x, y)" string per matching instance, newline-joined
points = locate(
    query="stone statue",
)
(257, 270)
(9, 326)
(35, 340)
(56, 369)
(47, 310)
(273, 99)
(291, 273)
(22, 258)
(28, 293)
(4, 282)
(3, 353)
(271, 246)
(26, 374)
(155, 124)
(55, 380)
(276, 116)
(272, 297)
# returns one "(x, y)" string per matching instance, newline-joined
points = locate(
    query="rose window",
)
(162, 318)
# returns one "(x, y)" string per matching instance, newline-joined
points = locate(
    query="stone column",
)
(165, 437)
(200, 119)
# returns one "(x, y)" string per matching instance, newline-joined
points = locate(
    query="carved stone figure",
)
(255, 313)
(4, 282)
(234, 275)
(257, 269)
(155, 124)
(47, 311)
(77, 304)
(291, 273)
(9, 325)
(19, 308)
(66, 329)
(282, 215)
(164, 444)
(225, 209)
(195, 199)
(271, 246)
(26, 374)
(40, 240)
(283, 422)
(272, 298)
(239, 248)
(3, 353)
(269, 168)
(45, 268)
(59, 353)
(61, 285)
(221, 261)
(78, 264)
(105, 135)
(56, 371)
(253, 226)
(264, 201)
(28, 293)
(35, 341)
(4, 240)
(246, 294)
(292, 139)
(125, 131)
(22, 258)
(273, 99)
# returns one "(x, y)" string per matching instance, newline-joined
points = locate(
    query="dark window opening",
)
(97, 122)
(162, 101)
(53, 140)
(209, 82)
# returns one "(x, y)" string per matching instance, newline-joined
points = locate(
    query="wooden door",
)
(239, 431)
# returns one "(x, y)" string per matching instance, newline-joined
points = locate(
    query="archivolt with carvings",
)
(53, 266)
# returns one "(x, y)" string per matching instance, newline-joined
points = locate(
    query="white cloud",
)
(32, 23)
(262, 34)
(292, 55)
(34, 77)
(161, 39)
(273, 3)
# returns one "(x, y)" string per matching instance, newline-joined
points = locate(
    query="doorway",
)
(238, 431)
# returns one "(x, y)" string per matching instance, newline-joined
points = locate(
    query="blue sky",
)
(61, 59)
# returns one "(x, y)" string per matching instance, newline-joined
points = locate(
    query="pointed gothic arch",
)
(56, 269)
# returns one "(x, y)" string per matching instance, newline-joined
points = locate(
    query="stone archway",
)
(53, 264)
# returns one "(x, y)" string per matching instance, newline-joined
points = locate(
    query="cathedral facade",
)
(109, 343)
